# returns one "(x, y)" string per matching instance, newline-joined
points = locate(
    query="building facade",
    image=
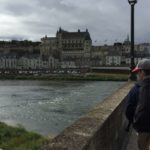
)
(73, 49)
(32, 62)
(67, 50)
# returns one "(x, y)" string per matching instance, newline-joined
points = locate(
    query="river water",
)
(47, 107)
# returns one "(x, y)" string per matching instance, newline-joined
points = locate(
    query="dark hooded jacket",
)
(138, 106)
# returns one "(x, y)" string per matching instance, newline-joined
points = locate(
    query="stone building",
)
(140, 51)
(113, 58)
(8, 61)
(73, 48)
(98, 55)
(29, 62)
(20, 48)
(48, 46)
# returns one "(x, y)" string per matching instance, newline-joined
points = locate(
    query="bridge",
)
(103, 128)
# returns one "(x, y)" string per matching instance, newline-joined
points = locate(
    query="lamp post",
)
(132, 75)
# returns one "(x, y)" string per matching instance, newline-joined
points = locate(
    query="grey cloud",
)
(105, 19)
(16, 8)
(13, 37)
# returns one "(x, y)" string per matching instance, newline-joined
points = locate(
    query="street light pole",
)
(132, 76)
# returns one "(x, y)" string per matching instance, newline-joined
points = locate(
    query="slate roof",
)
(75, 35)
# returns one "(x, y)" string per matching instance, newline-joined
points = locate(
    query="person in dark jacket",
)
(137, 112)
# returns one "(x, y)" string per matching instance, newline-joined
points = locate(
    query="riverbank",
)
(12, 138)
(86, 77)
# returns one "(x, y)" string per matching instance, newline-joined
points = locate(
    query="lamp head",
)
(132, 2)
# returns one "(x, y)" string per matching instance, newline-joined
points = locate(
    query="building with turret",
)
(73, 49)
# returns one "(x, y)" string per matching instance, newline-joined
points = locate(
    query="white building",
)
(113, 58)
(68, 64)
(8, 61)
(27, 62)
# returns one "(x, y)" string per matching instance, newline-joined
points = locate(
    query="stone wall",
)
(101, 129)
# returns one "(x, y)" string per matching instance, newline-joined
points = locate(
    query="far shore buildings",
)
(67, 50)
(75, 50)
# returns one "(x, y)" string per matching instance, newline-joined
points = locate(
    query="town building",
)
(8, 61)
(31, 62)
(98, 55)
(113, 58)
(67, 50)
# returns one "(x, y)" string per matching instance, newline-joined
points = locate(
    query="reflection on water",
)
(50, 106)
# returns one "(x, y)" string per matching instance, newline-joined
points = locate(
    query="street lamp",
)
(132, 2)
(132, 75)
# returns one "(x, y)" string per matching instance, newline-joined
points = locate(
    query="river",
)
(47, 107)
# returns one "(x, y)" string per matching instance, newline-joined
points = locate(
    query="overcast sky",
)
(107, 20)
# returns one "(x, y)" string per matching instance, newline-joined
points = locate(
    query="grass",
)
(108, 76)
(88, 77)
(12, 138)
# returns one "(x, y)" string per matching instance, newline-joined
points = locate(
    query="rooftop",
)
(74, 35)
